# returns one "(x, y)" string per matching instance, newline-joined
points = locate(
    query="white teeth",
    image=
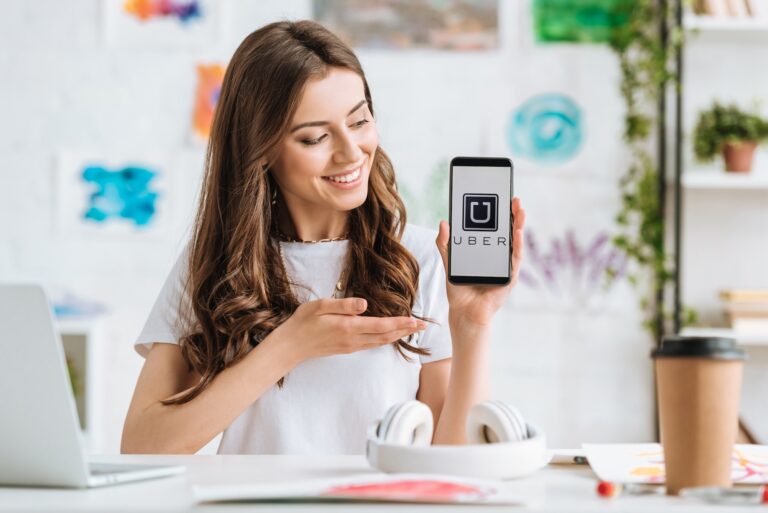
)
(351, 177)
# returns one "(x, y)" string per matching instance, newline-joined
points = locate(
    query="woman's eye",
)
(310, 142)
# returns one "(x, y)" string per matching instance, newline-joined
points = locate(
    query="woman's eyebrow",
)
(321, 123)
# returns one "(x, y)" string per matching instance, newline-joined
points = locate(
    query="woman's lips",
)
(347, 180)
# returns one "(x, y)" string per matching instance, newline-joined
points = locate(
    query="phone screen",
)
(481, 235)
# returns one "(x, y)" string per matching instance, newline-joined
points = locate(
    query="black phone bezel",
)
(480, 162)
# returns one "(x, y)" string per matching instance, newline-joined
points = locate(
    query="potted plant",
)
(732, 132)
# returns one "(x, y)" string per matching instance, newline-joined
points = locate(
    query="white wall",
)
(577, 367)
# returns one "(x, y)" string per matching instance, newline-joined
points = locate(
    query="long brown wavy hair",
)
(237, 290)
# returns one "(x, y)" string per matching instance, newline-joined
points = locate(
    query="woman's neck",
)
(315, 225)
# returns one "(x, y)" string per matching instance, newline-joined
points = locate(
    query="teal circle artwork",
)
(547, 128)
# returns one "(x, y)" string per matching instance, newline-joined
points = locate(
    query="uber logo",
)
(480, 212)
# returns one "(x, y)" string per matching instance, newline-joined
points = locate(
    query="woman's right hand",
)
(326, 327)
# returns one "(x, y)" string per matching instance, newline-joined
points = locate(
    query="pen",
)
(607, 489)
(714, 494)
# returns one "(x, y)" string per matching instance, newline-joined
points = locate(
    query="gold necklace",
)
(339, 284)
(286, 238)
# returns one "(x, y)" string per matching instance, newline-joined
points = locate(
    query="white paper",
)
(644, 463)
(411, 488)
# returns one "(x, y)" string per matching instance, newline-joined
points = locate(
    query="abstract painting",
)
(572, 269)
(70, 305)
(459, 25)
(209, 79)
(161, 23)
(578, 21)
(112, 196)
(124, 194)
(547, 128)
(145, 10)
(400, 488)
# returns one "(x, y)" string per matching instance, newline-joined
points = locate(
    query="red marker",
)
(608, 490)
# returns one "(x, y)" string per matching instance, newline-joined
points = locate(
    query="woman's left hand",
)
(476, 304)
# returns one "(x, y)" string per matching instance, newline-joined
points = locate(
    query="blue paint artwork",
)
(188, 12)
(73, 306)
(547, 128)
(122, 194)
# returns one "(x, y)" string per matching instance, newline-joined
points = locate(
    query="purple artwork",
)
(569, 268)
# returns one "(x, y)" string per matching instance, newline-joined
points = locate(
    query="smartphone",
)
(479, 250)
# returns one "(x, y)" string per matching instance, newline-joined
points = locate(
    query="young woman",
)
(304, 306)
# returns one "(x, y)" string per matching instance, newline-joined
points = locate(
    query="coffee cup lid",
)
(703, 347)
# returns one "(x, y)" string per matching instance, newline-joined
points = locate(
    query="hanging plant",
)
(646, 70)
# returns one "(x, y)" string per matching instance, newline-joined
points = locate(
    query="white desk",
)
(556, 489)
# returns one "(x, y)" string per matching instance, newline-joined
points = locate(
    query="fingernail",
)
(361, 304)
(422, 325)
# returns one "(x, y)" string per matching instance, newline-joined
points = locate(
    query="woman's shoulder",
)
(420, 241)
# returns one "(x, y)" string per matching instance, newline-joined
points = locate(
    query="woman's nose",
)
(347, 149)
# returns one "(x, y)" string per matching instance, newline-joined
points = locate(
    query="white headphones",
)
(500, 443)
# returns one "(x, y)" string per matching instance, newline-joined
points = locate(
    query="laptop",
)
(40, 439)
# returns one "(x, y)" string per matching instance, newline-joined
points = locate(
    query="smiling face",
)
(324, 162)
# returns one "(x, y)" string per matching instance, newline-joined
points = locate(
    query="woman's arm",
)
(433, 384)
(471, 310)
(450, 387)
(154, 428)
(468, 383)
(318, 328)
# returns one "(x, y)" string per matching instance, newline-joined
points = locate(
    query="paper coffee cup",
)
(699, 386)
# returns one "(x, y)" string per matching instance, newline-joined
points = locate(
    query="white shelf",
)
(83, 342)
(751, 339)
(707, 179)
(725, 24)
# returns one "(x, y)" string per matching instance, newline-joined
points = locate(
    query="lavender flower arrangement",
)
(571, 269)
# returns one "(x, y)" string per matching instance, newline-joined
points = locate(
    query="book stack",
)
(732, 8)
(747, 311)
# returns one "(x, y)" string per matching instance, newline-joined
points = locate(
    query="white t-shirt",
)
(326, 404)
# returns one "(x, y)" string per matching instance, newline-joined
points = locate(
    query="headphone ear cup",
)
(495, 422)
(408, 423)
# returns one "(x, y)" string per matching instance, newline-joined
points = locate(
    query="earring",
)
(274, 196)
